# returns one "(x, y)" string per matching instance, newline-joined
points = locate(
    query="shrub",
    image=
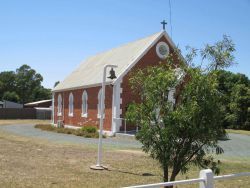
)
(89, 129)
(91, 135)
(79, 132)
(69, 131)
(86, 131)
(60, 130)
(46, 127)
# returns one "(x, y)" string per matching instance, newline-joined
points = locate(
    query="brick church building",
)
(76, 100)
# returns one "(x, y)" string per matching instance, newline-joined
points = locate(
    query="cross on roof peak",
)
(163, 24)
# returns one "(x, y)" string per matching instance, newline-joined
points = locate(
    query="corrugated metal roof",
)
(38, 102)
(90, 72)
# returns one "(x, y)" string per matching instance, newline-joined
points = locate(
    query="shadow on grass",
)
(132, 173)
(224, 138)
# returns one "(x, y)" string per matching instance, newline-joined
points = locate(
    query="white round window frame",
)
(158, 50)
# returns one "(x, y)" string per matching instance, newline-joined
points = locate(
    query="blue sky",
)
(54, 36)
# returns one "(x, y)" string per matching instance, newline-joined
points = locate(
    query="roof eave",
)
(81, 87)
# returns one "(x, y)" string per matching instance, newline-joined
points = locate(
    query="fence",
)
(24, 113)
(206, 180)
(17, 113)
(43, 113)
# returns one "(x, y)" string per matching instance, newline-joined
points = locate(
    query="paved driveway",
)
(238, 146)
(30, 131)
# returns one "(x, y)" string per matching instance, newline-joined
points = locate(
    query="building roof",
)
(43, 108)
(37, 102)
(90, 71)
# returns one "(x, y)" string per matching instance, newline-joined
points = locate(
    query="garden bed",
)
(86, 131)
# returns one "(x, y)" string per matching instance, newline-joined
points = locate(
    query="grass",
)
(23, 121)
(30, 162)
(86, 131)
(244, 132)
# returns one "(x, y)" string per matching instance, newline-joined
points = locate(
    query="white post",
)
(98, 165)
(209, 178)
(53, 106)
(116, 111)
(125, 126)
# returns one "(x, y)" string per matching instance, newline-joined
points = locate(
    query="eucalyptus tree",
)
(179, 113)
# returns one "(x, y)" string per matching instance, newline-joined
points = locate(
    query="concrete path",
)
(238, 146)
(30, 131)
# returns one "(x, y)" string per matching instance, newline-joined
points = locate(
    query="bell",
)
(112, 74)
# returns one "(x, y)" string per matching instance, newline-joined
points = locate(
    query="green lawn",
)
(238, 131)
(23, 121)
(33, 162)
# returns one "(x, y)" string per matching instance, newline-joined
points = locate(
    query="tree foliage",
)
(235, 89)
(186, 132)
(220, 55)
(180, 134)
(10, 96)
(56, 83)
(22, 86)
(7, 82)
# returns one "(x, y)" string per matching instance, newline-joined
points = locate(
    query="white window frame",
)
(99, 104)
(180, 74)
(171, 95)
(71, 104)
(171, 99)
(59, 105)
(84, 104)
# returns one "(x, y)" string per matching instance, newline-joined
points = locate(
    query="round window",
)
(162, 50)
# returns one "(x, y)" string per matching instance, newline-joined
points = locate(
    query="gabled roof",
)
(90, 71)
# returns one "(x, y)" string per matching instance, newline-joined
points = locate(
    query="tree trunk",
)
(165, 173)
(165, 176)
(173, 175)
(172, 178)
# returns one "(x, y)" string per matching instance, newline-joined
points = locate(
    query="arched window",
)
(71, 104)
(180, 74)
(59, 105)
(84, 104)
(171, 97)
(99, 104)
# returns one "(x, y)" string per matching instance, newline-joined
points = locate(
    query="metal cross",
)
(163, 24)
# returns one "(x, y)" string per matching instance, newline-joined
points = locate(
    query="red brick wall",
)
(77, 119)
(149, 59)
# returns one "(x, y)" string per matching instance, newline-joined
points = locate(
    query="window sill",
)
(70, 115)
(84, 115)
(59, 114)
